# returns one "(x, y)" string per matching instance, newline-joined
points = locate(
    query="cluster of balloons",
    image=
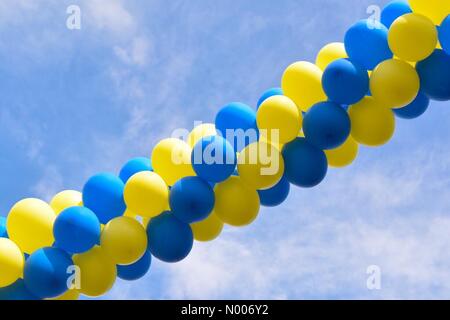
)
(80, 242)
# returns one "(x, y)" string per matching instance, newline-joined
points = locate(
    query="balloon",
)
(279, 119)
(208, 229)
(136, 270)
(97, 272)
(69, 295)
(124, 240)
(260, 165)
(76, 230)
(344, 155)
(394, 83)
(237, 123)
(3, 232)
(331, 52)
(444, 34)
(11, 262)
(302, 82)
(46, 272)
(17, 291)
(146, 194)
(30, 224)
(393, 10)
(134, 166)
(326, 125)
(214, 159)
(236, 203)
(66, 199)
(171, 159)
(366, 43)
(372, 123)
(412, 37)
(170, 240)
(103, 194)
(415, 109)
(276, 195)
(191, 199)
(306, 165)
(201, 131)
(434, 75)
(436, 10)
(269, 93)
(345, 82)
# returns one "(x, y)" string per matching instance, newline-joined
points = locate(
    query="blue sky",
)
(74, 103)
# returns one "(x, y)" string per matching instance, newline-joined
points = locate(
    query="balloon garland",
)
(157, 207)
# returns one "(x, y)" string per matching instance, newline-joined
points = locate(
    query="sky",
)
(77, 102)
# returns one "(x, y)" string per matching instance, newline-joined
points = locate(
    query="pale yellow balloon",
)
(208, 229)
(201, 131)
(11, 262)
(65, 200)
(30, 225)
(436, 10)
(344, 155)
(130, 214)
(302, 82)
(330, 53)
(69, 295)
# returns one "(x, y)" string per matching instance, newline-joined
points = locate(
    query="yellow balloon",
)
(236, 203)
(30, 225)
(146, 194)
(201, 131)
(208, 229)
(97, 272)
(171, 159)
(302, 82)
(344, 155)
(129, 214)
(69, 295)
(260, 165)
(436, 10)
(11, 262)
(372, 123)
(66, 199)
(330, 53)
(124, 240)
(413, 37)
(279, 120)
(394, 83)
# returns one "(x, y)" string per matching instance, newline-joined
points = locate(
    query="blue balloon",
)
(305, 165)
(169, 239)
(366, 43)
(134, 166)
(3, 232)
(237, 123)
(326, 125)
(393, 10)
(103, 194)
(213, 159)
(269, 93)
(345, 82)
(434, 73)
(444, 34)
(17, 291)
(276, 195)
(46, 272)
(76, 230)
(136, 270)
(192, 199)
(415, 109)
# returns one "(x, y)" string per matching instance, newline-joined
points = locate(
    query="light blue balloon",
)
(269, 93)
(3, 232)
(134, 166)
(393, 10)
(444, 34)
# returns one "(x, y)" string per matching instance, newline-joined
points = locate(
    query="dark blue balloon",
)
(305, 165)
(345, 82)
(415, 109)
(366, 43)
(103, 194)
(276, 195)
(444, 34)
(191, 199)
(76, 230)
(169, 239)
(326, 125)
(46, 272)
(393, 10)
(17, 291)
(3, 232)
(213, 159)
(237, 123)
(434, 73)
(134, 166)
(269, 93)
(136, 270)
